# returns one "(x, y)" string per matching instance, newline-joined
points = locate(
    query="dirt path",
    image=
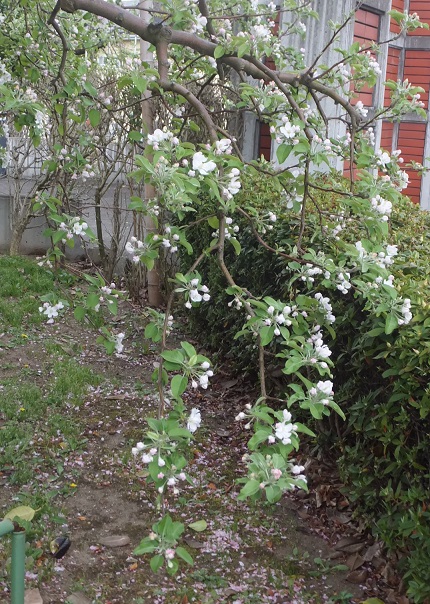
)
(248, 554)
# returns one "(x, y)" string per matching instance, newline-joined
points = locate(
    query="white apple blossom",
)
(203, 165)
(119, 347)
(194, 420)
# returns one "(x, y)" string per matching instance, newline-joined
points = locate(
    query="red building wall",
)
(387, 136)
(410, 64)
(400, 6)
(422, 8)
(411, 143)
(417, 71)
(393, 63)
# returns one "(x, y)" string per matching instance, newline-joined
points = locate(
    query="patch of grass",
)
(22, 281)
(35, 430)
(71, 380)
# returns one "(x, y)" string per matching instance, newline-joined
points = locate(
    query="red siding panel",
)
(387, 136)
(417, 71)
(400, 6)
(392, 70)
(366, 30)
(265, 141)
(411, 143)
(422, 7)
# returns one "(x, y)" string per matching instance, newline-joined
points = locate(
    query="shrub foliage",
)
(381, 380)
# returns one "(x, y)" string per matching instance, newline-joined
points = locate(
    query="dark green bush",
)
(381, 381)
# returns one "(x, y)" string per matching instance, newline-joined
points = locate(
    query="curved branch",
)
(153, 33)
(169, 86)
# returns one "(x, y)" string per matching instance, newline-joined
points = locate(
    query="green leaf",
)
(94, 117)
(181, 552)
(145, 547)
(304, 429)
(189, 349)
(213, 222)
(219, 52)
(140, 82)
(156, 562)
(391, 323)
(375, 332)
(250, 488)
(23, 512)
(152, 332)
(134, 135)
(179, 433)
(338, 410)
(178, 385)
(282, 152)
(198, 526)
(93, 300)
(79, 313)
(173, 356)
(259, 437)
(235, 243)
(90, 89)
(266, 334)
(273, 493)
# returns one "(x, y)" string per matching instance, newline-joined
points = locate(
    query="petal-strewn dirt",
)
(284, 553)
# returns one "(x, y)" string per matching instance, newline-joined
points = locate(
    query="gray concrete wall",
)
(35, 243)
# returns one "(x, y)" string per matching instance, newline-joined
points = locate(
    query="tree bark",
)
(16, 237)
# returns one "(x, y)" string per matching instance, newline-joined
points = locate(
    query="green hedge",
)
(381, 381)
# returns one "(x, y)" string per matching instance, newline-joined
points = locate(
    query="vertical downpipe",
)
(18, 567)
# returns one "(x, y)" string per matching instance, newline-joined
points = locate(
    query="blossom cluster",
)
(319, 351)
(230, 230)
(119, 346)
(288, 131)
(285, 429)
(343, 282)
(326, 307)
(167, 474)
(203, 380)
(51, 310)
(382, 206)
(170, 239)
(160, 136)
(4, 74)
(108, 295)
(406, 312)
(381, 259)
(75, 226)
(277, 318)
(137, 248)
(196, 293)
(310, 270)
(322, 392)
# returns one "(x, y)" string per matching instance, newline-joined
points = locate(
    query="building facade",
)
(404, 57)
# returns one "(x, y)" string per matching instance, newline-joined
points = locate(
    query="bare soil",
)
(284, 553)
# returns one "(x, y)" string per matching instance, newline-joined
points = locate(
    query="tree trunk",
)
(16, 237)
(154, 287)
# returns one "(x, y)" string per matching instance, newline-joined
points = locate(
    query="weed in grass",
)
(343, 598)
(211, 581)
